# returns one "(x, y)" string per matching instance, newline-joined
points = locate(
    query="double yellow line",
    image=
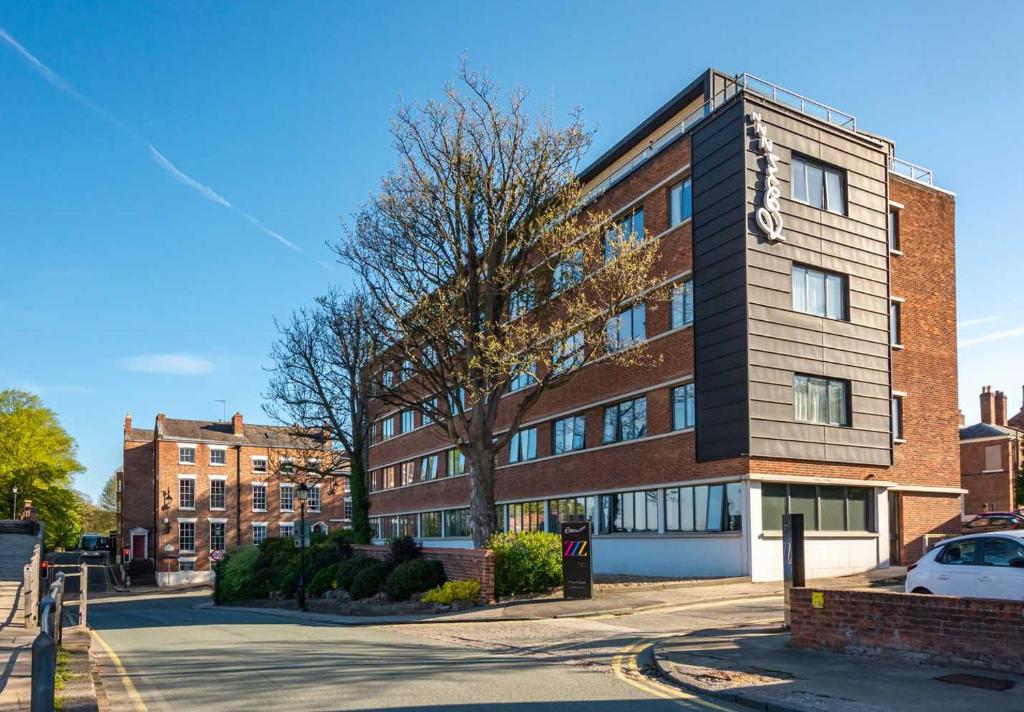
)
(122, 674)
(626, 668)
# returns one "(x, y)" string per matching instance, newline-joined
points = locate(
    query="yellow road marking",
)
(625, 667)
(140, 706)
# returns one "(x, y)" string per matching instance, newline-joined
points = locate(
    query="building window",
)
(894, 230)
(408, 420)
(259, 533)
(631, 225)
(313, 500)
(430, 525)
(186, 536)
(387, 379)
(218, 456)
(993, 458)
(429, 406)
(218, 493)
(627, 327)
(524, 517)
(568, 434)
(406, 525)
(567, 273)
(456, 462)
(825, 508)
(523, 379)
(683, 410)
(523, 446)
(567, 354)
(571, 509)
(387, 428)
(287, 530)
(259, 464)
(218, 531)
(702, 508)
(408, 473)
(456, 523)
(428, 467)
(388, 477)
(186, 454)
(521, 301)
(287, 498)
(186, 564)
(259, 497)
(897, 417)
(895, 324)
(186, 492)
(818, 185)
(347, 510)
(625, 421)
(682, 304)
(629, 512)
(680, 202)
(819, 293)
(822, 400)
(453, 407)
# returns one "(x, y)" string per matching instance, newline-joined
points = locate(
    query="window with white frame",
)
(683, 410)
(822, 400)
(407, 472)
(704, 508)
(408, 420)
(387, 428)
(894, 229)
(287, 494)
(387, 378)
(429, 406)
(818, 185)
(218, 456)
(186, 492)
(259, 532)
(218, 535)
(895, 323)
(186, 535)
(625, 421)
(567, 354)
(523, 379)
(627, 327)
(568, 434)
(287, 530)
(680, 202)
(456, 462)
(820, 293)
(313, 500)
(259, 496)
(628, 227)
(348, 509)
(897, 417)
(629, 512)
(428, 467)
(186, 454)
(567, 273)
(521, 301)
(218, 493)
(259, 464)
(187, 563)
(682, 304)
(523, 446)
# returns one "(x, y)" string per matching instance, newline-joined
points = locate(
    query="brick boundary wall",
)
(944, 630)
(459, 564)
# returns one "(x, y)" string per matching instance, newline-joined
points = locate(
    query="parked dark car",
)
(993, 522)
(94, 547)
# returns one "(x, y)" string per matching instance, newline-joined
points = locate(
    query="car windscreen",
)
(95, 543)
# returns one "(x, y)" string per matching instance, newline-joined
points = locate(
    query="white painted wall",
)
(668, 555)
(180, 578)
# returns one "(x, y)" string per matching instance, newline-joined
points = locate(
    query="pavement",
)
(755, 666)
(15, 639)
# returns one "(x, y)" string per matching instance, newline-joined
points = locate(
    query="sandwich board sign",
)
(577, 568)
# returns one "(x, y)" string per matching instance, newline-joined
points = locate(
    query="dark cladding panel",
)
(719, 287)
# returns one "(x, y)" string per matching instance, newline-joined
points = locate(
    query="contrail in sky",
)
(160, 159)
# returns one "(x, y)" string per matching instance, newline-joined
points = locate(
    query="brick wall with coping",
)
(941, 630)
(459, 564)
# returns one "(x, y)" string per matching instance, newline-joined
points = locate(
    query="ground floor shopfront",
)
(722, 527)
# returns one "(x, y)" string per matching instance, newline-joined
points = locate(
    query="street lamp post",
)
(14, 506)
(303, 494)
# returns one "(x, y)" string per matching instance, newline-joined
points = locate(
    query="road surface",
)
(179, 656)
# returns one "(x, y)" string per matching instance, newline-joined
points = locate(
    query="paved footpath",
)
(15, 640)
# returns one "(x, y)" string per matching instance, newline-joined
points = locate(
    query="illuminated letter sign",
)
(769, 214)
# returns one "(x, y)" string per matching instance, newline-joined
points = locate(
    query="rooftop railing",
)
(911, 171)
(799, 102)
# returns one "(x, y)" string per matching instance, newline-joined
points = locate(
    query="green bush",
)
(403, 549)
(276, 568)
(347, 570)
(238, 568)
(369, 580)
(451, 591)
(324, 579)
(331, 549)
(414, 576)
(526, 562)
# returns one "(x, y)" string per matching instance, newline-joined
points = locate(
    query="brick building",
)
(991, 453)
(188, 487)
(809, 359)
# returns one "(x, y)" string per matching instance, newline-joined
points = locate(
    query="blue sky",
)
(128, 288)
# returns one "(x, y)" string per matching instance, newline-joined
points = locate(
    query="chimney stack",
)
(236, 424)
(988, 405)
(1002, 405)
(127, 424)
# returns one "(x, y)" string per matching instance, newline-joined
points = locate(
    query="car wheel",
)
(922, 590)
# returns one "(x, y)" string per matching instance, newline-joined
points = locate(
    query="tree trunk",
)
(360, 501)
(482, 515)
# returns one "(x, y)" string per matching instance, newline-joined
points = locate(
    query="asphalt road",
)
(180, 657)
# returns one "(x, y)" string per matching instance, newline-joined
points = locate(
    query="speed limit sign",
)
(217, 554)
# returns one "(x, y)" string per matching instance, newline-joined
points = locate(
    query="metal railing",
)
(799, 102)
(51, 636)
(931, 540)
(911, 171)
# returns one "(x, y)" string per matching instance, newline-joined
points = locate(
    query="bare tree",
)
(486, 270)
(320, 385)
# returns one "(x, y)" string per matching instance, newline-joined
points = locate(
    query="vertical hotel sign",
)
(577, 572)
(769, 214)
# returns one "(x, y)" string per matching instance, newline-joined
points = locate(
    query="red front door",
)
(138, 546)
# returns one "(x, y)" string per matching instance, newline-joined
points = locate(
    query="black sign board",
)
(792, 555)
(577, 572)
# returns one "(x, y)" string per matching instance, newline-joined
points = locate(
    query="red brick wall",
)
(992, 488)
(137, 491)
(926, 513)
(459, 564)
(935, 629)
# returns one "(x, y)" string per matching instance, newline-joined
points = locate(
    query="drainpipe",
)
(238, 496)
(156, 493)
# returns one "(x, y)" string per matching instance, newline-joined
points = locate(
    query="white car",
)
(989, 565)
